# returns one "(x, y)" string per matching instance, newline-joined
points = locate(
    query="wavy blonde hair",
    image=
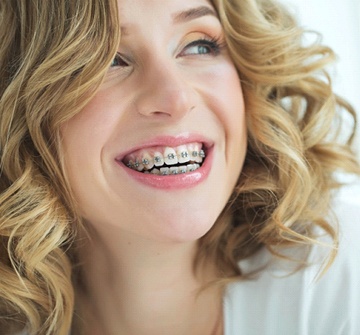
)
(53, 57)
(294, 123)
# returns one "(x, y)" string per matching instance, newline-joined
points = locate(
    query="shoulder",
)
(302, 303)
(346, 207)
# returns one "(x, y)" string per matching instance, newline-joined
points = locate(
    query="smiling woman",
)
(164, 165)
(175, 76)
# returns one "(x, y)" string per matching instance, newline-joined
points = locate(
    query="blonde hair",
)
(293, 122)
(53, 57)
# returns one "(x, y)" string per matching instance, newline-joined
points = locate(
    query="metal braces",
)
(157, 159)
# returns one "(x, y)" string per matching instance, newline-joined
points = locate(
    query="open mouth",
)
(167, 161)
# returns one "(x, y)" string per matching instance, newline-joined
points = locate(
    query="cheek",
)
(83, 138)
(86, 132)
(224, 86)
(231, 113)
(223, 82)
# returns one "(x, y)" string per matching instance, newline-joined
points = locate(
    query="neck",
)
(137, 286)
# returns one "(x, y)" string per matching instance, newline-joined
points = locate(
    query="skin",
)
(143, 239)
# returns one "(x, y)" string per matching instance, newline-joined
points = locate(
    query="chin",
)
(187, 222)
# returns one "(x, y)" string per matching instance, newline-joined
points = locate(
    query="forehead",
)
(136, 12)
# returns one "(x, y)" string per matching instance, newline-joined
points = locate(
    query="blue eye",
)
(203, 47)
(118, 61)
(200, 49)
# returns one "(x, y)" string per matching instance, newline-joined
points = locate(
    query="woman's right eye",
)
(118, 61)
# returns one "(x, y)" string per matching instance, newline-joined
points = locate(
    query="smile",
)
(166, 161)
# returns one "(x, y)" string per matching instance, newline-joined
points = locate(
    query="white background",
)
(339, 24)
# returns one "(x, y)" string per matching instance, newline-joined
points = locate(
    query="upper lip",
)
(169, 141)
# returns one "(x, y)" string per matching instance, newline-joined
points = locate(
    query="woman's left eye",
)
(118, 61)
(202, 47)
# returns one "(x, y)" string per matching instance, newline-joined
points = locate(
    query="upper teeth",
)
(147, 159)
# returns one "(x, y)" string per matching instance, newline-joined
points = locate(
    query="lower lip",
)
(179, 181)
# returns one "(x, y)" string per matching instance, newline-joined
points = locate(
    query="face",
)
(158, 150)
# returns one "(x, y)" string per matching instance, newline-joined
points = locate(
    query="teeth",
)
(155, 171)
(168, 171)
(190, 167)
(170, 156)
(138, 166)
(182, 169)
(198, 158)
(165, 171)
(194, 151)
(183, 154)
(158, 159)
(174, 170)
(147, 161)
(162, 160)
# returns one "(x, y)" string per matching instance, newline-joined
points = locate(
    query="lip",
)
(180, 181)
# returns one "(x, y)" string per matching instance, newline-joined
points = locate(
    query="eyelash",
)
(213, 44)
(118, 57)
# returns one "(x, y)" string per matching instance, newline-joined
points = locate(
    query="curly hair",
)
(53, 57)
(294, 121)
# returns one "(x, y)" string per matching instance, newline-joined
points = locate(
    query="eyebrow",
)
(192, 14)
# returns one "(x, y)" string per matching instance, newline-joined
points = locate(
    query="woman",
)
(154, 154)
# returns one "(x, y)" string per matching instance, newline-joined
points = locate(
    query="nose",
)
(164, 92)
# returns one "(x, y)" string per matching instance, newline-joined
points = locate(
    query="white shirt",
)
(276, 303)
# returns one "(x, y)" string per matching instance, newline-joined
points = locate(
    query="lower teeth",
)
(174, 170)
